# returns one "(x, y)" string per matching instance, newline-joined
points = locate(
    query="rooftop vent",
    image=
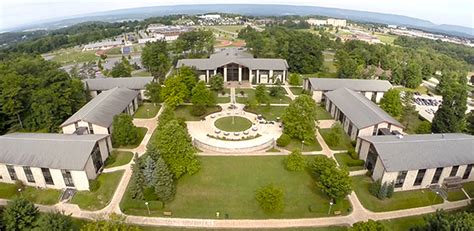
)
(400, 136)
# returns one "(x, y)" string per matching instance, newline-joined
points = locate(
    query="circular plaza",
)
(234, 130)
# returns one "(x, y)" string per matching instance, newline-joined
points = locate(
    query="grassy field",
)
(38, 196)
(141, 134)
(250, 93)
(399, 200)
(456, 195)
(386, 38)
(344, 144)
(233, 124)
(307, 146)
(346, 160)
(322, 114)
(221, 99)
(226, 185)
(332, 228)
(230, 28)
(99, 198)
(405, 223)
(73, 55)
(268, 112)
(469, 187)
(296, 90)
(146, 111)
(143, 73)
(183, 111)
(118, 158)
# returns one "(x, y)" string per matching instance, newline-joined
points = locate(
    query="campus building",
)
(418, 161)
(238, 65)
(52, 160)
(97, 115)
(358, 115)
(97, 86)
(372, 89)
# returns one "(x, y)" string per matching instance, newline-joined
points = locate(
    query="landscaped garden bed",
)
(345, 160)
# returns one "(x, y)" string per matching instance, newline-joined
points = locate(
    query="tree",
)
(121, 69)
(55, 221)
(320, 163)
(164, 185)
(195, 44)
(137, 182)
(113, 222)
(153, 92)
(216, 82)
(20, 214)
(298, 118)
(335, 182)
(155, 58)
(470, 122)
(391, 102)
(174, 92)
(189, 77)
(270, 198)
(124, 132)
(261, 94)
(412, 75)
(409, 113)
(369, 225)
(166, 116)
(294, 79)
(295, 161)
(334, 136)
(149, 171)
(201, 97)
(283, 140)
(277, 90)
(443, 221)
(423, 128)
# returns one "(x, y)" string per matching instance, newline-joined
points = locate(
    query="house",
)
(238, 65)
(96, 86)
(97, 115)
(358, 115)
(52, 160)
(418, 161)
(372, 89)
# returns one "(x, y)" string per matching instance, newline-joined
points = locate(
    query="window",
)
(67, 178)
(47, 176)
(91, 128)
(29, 175)
(96, 158)
(454, 170)
(349, 129)
(11, 171)
(437, 175)
(467, 172)
(400, 179)
(419, 177)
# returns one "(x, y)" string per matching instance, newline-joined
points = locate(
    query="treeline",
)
(302, 50)
(35, 95)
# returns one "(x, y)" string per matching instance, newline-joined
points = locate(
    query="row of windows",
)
(436, 177)
(48, 179)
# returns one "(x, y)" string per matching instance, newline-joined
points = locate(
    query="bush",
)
(390, 189)
(375, 187)
(295, 161)
(321, 163)
(198, 110)
(351, 151)
(270, 198)
(94, 185)
(19, 185)
(334, 136)
(380, 190)
(294, 79)
(369, 225)
(284, 140)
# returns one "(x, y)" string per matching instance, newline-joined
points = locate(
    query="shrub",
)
(321, 163)
(284, 140)
(295, 161)
(369, 225)
(382, 194)
(242, 93)
(294, 79)
(198, 110)
(270, 198)
(351, 151)
(333, 137)
(375, 187)
(390, 189)
(149, 194)
(94, 185)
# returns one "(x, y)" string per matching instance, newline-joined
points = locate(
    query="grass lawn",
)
(228, 184)
(183, 111)
(38, 196)
(268, 112)
(221, 99)
(73, 55)
(118, 158)
(404, 223)
(456, 195)
(230, 28)
(143, 73)
(307, 147)
(114, 51)
(322, 114)
(321, 74)
(233, 124)
(98, 199)
(141, 133)
(344, 144)
(386, 38)
(399, 200)
(251, 96)
(331, 228)
(469, 187)
(346, 160)
(296, 90)
(146, 111)
(329, 66)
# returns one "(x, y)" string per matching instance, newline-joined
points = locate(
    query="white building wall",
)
(378, 170)
(99, 129)
(39, 178)
(317, 96)
(57, 179)
(69, 129)
(379, 96)
(80, 180)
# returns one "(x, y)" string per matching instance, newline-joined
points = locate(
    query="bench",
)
(167, 213)
(337, 212)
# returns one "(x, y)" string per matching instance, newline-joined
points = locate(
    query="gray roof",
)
(102, 84)
(47, 150)
(360, 110)
(412, 152)
(234, 56)
(102, 109)
(329, 84)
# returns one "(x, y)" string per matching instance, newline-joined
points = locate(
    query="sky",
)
(19, 12)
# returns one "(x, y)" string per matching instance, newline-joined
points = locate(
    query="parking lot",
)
(427, 105)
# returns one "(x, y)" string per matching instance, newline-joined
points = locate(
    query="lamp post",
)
(148, 208)
(19, 190)
(330, 206)
(302, 143)
(437, 193)
(148, 112)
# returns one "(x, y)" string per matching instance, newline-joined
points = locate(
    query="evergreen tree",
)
(164, 185)
(409, 113)
(137, 182)
(20, 214)
(382, 194)
(298, 118)
(55, 221)
(261, 94)
(390, 189)
(391, 102)
(148, 171)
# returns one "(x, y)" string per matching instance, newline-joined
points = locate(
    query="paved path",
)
(289, 92)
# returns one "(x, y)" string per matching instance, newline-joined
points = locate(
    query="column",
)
(225, 73)
(258, 76)
(284, 79)
(250, 76)
(270, 76)
(240, 73)
(207, 76)
(215, 71)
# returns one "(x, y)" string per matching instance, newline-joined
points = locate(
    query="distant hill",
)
(259, 10)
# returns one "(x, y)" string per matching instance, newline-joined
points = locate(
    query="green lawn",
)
(250, 93)
(146, 111)
(233, 124)
(346, 160)
(230, 28)
(183, 111)
(114, 51)
(143, 73)
(73, 55)
(38, 196)
(331, 228)
(228, 184)
(141, 134)
(399, 200)
(386, 38)
(322, 114)
(344, 144)
(268, 112)
(307, 147)
(98, 199)
(221, 99)
(405, 223)
(469, 187)
(296, 90)
(456, 195)
(118, 158)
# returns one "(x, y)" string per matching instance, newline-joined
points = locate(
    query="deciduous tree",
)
(295, 161)
(298, 118)
(124, 132)
(216, 82)
(391, 102)
(155, 58)
(335, 182)
(153, 92)
(174, 92)
(261, 94)
(369, 225)
(55, 221)
(270, 198)
(20, 214)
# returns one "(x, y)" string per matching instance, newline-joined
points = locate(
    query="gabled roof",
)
(102, 109)
(360, 110)
(48, 150)
(102, 84)
(330, 84)
(412, 152)
(234, 56)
